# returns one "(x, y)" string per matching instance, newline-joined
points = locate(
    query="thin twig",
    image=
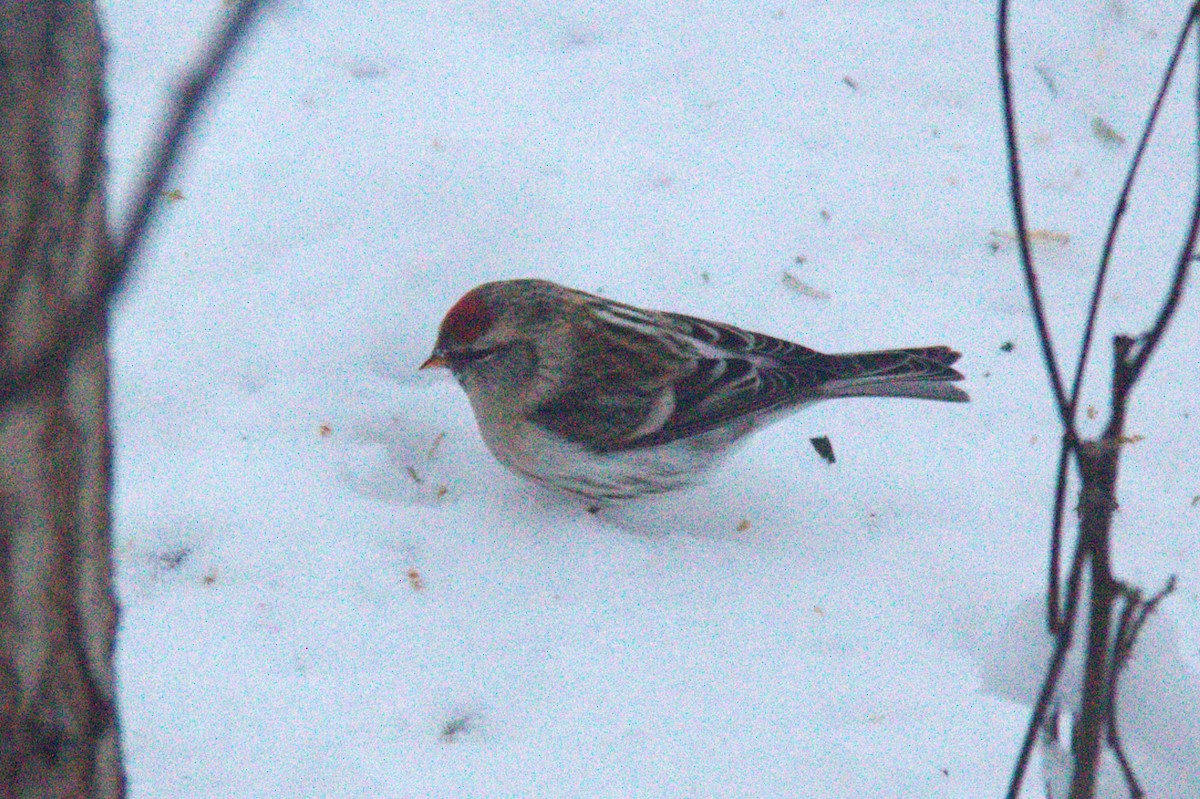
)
(1118, 214)
(1054, 621)
(1115, 742)
(1066, 405)
(1058, 658)
(1017, 197)
(1133, 618)
(191, 99)
(1149, 340)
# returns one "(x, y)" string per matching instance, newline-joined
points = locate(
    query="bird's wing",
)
(714, 375)
(739, 374)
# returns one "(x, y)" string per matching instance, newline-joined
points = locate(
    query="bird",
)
(609, 402)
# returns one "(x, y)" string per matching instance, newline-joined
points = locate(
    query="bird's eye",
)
(465, 357)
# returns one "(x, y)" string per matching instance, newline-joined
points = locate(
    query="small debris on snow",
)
(1105, 133)
(800, 287)
(455, 727)
(824, 448)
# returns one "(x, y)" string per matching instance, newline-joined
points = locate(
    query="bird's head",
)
(492, 338)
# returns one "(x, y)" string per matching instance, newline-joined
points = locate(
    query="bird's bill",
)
(435, 361)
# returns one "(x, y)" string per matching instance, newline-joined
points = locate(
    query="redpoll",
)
(610, 402)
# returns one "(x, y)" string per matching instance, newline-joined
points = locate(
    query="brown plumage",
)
(610, 401)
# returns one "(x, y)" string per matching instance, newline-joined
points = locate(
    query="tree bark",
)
(58, 729)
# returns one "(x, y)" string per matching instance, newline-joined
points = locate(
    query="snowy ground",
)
(329, 588)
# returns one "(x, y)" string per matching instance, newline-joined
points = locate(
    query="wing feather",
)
(684, 376)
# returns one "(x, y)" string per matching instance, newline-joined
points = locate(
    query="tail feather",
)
(919, 373)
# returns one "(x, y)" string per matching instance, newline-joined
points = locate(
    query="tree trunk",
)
(58, 729)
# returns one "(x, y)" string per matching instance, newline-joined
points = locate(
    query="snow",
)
(329, 587)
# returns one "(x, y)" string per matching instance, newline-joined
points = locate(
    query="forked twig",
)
(1133, 618)
(1096, 460)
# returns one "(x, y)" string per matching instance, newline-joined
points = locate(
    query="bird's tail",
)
(919, 373)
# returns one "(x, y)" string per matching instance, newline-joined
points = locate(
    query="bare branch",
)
(1149, 340)
(1043, 709)
(1118, 213)
(1097, 461)
(1017, 196)
(1133, 618)
(20, 372)
(1054, 621)
(191, 99)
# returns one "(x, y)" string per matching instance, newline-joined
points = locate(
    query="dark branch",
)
(1149, 340)
(1097, 461)
(1064, 637)
(1134, 615)
(1118, 214)
(1017, 196)
(18, 374)
(191, 100)
(1054, 620)
(1132, 600)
